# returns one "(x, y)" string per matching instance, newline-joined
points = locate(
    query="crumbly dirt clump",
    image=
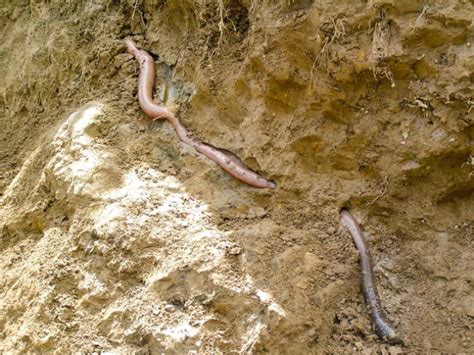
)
(116, 237)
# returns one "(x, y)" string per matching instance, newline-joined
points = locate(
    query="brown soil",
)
(116, 237)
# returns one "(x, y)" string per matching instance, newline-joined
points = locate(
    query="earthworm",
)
(382, 327)
(234, 166)
(227, 160)
(146, 80)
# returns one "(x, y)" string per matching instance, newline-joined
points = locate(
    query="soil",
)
(117, 237)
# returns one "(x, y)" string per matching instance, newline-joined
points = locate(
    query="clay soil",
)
(114, 236)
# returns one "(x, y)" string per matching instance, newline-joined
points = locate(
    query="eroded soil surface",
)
(117, 237)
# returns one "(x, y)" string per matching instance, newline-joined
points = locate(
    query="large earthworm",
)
(228, 161)
(382, 327)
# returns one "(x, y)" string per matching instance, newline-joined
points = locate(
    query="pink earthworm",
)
(227, 160)
(383, 328)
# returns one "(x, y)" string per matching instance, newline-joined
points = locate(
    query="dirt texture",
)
(117, 237)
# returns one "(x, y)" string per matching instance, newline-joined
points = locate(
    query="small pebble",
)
(395, 350)
(169, 308)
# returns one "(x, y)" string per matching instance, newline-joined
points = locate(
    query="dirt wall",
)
(116, 237)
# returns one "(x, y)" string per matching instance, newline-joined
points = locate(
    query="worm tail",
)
(382, 326)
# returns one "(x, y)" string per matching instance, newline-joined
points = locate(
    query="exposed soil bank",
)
(116, 237)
